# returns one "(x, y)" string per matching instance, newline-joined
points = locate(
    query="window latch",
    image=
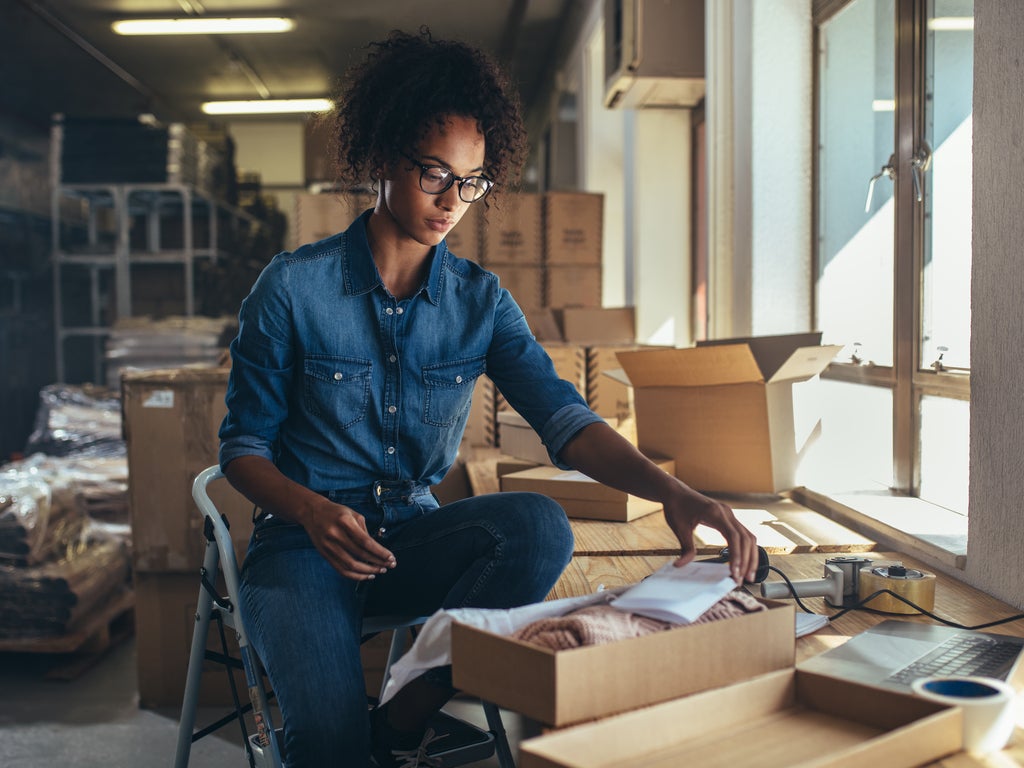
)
(889, 170)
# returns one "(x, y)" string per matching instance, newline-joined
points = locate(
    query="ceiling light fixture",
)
(202, 25)
(266, 106)
(951, 24)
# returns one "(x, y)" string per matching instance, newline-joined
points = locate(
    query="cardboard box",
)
(321, 215)
(559, 688)
(573, 224)
(572, 286)
(581, 496)
(596, 325)
(516, 438)
(465, 239)
(513, 232)
(524, 281)
(725, 412)
(171, 417)
(778, 720)
(165, 611)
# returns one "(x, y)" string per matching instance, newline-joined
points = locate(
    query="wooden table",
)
(781, 525)
(954, 600)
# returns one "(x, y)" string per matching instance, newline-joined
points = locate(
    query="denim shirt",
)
(341, 385)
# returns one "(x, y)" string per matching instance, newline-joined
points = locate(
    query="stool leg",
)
(196, 657)
(501, 746)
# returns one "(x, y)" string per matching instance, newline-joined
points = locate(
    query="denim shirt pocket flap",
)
(449, 388)
(337, 388)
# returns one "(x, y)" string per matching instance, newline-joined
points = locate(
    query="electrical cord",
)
(860, 605)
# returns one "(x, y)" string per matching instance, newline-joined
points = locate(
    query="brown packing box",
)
(580, 496)
(171, 418)
(560, 688)
(572, 286)
(596, 325)
(513, 232)
(516, 438)
(524, 281)
(165, 609)
(321, 215)
(573, 227)
(779, 720)
(725, 412)
(464, 240)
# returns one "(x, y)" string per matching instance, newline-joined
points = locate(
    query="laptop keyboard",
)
(962, 655)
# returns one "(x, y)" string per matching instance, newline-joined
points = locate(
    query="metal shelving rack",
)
(92, 229)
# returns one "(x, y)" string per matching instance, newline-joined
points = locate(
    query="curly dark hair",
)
(386, 105)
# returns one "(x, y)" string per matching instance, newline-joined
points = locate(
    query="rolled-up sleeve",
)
(563, 426)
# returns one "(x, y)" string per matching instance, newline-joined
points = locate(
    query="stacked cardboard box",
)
(320, 215)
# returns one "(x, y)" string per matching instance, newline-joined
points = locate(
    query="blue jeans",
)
(303, 617)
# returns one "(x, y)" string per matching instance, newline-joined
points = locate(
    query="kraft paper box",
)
(559, 688)
(171, 418)
(784, 719)
(582, 497)
(727, 413)
(596, 325)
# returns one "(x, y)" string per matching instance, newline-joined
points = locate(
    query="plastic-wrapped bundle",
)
(79, 420)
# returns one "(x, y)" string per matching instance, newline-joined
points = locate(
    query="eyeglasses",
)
(436, 180)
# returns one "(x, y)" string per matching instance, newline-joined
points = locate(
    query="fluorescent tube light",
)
(202, 25)
(951, 24)
(266, 106)
(883, 105)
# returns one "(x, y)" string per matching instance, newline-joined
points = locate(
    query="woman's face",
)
(457, 145)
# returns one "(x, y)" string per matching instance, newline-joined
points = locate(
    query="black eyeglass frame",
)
(452, 178)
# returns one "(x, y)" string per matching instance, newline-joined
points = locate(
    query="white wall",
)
(996, 520)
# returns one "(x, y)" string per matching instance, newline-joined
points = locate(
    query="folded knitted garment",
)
(598, 624)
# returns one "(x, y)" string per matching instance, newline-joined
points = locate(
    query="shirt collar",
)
(361, 275)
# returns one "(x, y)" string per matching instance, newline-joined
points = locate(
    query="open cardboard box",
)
(783, 719)
(559, 688)
(581, 496)
(725, 411)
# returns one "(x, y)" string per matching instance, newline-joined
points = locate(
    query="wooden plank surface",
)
(781, 526)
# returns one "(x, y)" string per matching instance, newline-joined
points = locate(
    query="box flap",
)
(770, 351)
(692, 367)
(512, 417)
(806, 362)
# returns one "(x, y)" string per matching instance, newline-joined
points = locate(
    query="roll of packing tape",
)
(916, 586)
(989, 708)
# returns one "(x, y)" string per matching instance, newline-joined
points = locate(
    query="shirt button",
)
(391, 449)
(338, 376)
(392, 358)
(458, 379)
(391, 409)
(400, 310)
(389, 311)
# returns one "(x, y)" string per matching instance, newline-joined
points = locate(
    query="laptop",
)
(894, 653)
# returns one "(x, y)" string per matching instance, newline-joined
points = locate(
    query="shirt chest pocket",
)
(448, 389)
(337, 389)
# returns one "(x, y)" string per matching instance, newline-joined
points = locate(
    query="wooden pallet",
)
(78, 650)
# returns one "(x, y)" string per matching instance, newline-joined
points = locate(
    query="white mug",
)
(988, 707)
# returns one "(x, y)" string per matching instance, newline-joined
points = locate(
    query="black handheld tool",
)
(762, 563)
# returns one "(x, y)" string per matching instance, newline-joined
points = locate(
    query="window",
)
(893, 244)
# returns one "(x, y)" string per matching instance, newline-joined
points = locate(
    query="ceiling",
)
(61, 56)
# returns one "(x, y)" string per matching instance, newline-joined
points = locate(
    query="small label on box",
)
(159, 398)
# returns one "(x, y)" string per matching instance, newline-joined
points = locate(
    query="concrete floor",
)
(94, 721)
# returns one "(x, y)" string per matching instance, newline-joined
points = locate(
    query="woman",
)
(351, 378)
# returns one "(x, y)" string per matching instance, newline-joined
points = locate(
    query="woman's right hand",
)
(339, 534)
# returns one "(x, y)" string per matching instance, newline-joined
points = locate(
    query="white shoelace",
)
(418, 758)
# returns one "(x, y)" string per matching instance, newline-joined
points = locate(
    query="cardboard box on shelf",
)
(465, 240)
(524, 281)
(596, 325)
(171, 417)
(558, 688)
(320, 215)
(581, 496)
(777, 720)
(572, 285)
(573, 227)
(727, 412)
(516, 438)
(513, 232)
